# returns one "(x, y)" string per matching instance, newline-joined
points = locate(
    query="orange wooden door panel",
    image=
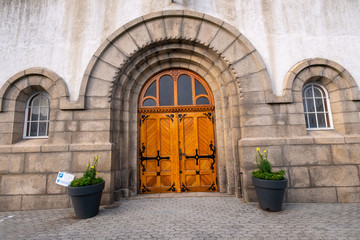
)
(158, 154)
(196, 140)
(163, 136)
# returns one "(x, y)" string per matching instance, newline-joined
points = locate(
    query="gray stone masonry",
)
(197, 216)
(322, 166)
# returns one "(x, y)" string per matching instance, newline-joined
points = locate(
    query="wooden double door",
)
(177, 152)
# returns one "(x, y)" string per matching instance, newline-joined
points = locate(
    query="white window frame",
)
(326, 105)
(28, 116)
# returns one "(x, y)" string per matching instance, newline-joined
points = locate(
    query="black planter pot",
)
(86, 200)
(270, 193)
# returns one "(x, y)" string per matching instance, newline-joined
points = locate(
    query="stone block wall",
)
(29, 167)
(27, 176)
(319, 169)
(322, 166)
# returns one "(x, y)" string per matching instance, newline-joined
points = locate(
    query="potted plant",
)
(86, 192)
(269, 186)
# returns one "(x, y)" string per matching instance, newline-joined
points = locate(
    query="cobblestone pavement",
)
(187, 218)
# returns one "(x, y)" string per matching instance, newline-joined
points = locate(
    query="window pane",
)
(33, 129)
(202, 100)
(149, 103)
(44, 111)
(321, 120)
(308, 92)
(42, 129)
(310, 105)
(166, 90)
(184, 90)
(36, 101)
(315, 104)
(317, 92)
(44, 102)
(38, 111)
(35, 113)
(312, 120)
(151, 90)
(199, 89)
(319, 105)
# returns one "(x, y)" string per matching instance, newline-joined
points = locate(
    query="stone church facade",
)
(319, 148)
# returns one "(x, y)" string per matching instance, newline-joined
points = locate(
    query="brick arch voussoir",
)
(42, 77)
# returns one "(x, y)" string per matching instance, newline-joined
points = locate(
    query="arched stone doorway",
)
(187, 40)
(226, 147)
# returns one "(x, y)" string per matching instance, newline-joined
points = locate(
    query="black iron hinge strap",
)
(184, 188)
(142, 158)
(172, 188)
(197, 156)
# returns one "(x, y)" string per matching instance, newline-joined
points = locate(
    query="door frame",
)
(175, 73)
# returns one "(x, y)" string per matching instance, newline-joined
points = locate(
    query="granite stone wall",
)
(319, 169)
(322, 166)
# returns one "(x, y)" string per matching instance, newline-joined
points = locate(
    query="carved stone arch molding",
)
(335, 74)
(342, 88)
(213, 49)
(42, 77)
(18, 88)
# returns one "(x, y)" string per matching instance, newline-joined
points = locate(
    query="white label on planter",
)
(64, 178)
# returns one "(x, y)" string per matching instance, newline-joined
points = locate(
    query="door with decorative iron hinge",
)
(177, 147)
(177, 152)
(197, 152)
(159, 168)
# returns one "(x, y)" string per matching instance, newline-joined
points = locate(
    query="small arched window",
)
(175, 88)
(316, 107)
(37, 116)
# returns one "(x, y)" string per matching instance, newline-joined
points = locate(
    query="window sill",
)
(326, 136)
(31, 141)
(34, 138)
(319, 129)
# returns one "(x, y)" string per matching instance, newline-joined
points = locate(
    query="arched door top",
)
(175, 89)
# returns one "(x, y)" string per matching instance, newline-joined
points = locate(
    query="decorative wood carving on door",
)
(177, 145)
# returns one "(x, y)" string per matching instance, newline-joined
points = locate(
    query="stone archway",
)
(42, 77)
(319, 67)
(216, 51)
(19, 87)
(174, 56)
(341, 85)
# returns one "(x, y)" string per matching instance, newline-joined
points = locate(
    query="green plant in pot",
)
(86, 192)
(269, 186)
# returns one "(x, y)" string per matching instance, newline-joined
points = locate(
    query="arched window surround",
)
(37, 116)
(316, 105)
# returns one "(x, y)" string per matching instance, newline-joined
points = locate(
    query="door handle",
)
(181, 153)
